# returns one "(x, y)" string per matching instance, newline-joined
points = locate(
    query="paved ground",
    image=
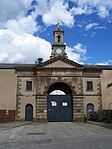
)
(20, 135)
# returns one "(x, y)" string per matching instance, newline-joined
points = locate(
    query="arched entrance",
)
(29, 112)
(90, 111)
(59, 106)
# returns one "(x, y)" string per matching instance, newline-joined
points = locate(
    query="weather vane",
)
(58, 25)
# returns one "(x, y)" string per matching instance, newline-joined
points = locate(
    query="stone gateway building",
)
(26, 89)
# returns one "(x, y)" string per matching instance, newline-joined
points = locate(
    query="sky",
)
(26, 30)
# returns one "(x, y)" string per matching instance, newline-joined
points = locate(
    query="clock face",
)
(59, 51)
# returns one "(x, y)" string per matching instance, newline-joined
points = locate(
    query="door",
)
(90, 111)
(29, 112)
(59, 108)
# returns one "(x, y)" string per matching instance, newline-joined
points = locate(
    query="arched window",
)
(59, 37)
(60, 86)
(57, 92)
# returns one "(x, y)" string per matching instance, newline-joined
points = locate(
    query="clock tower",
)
(58, 48)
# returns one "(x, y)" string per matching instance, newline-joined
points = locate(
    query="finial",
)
(58, 28)
(58, 25)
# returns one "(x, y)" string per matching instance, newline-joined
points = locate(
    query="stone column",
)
(41, 108)
(18, 98)
(100, 94)
(78, 107)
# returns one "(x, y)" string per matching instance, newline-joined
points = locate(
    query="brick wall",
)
(7, 115)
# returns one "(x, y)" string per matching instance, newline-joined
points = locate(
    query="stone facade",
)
(76, 76)
(14, 97)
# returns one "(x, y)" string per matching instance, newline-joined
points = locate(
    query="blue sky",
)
(26, 30)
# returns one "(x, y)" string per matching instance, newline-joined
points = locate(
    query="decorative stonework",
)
(51, 81)
(38, 86)
(68, 72)
(18, 100)
(78, 109)
(81, 86)
(41, 108)
(99, 93)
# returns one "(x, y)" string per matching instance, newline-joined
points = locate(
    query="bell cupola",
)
(58, 47)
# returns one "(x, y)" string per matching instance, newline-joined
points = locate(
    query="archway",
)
(90, 111)
(29, 112)
(60, 106)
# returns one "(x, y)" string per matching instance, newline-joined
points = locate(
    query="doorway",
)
(29, 112)
(90, 111)
(59, 103)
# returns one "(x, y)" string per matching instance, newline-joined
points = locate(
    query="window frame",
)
(29, 86)
(89, 87)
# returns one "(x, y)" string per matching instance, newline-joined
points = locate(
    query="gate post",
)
(41, 108)
(78, 109)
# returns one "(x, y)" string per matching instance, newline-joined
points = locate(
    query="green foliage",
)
(103, 116)
(85, 118)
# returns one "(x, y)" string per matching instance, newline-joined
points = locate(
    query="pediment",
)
(61, 62)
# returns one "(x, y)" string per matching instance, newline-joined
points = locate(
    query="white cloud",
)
(90, 26)
(95, 26)
(80, 10)
(17, 43)
(77, 52)
(51, 11)
(80, 48)
(58, 12)
(72, 55)
(108, 62)
(24, 48)
(101, 7)
(103, 63)
(3, 57)
(23, 25)
(103, 12)
(12, 9)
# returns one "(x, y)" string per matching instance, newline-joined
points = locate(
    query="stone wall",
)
(7, 115)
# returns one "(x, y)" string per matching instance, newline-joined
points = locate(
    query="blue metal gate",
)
(59, 108)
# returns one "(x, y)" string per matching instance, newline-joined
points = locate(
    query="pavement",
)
(13, 124)
(54, 135)
(106, 125)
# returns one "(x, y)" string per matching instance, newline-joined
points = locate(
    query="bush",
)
(103, 116)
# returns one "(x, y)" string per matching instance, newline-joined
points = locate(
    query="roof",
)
(7, 66)
(31, 66)
(102, 67)
(58, 28)
(14, 66)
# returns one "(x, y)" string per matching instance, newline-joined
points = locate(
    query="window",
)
(89, 86)
(28, 85)
(59, 38)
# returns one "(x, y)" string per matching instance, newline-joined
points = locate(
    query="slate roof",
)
(31, 66)
(7, 66)
(102, 67)
(14, 66)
